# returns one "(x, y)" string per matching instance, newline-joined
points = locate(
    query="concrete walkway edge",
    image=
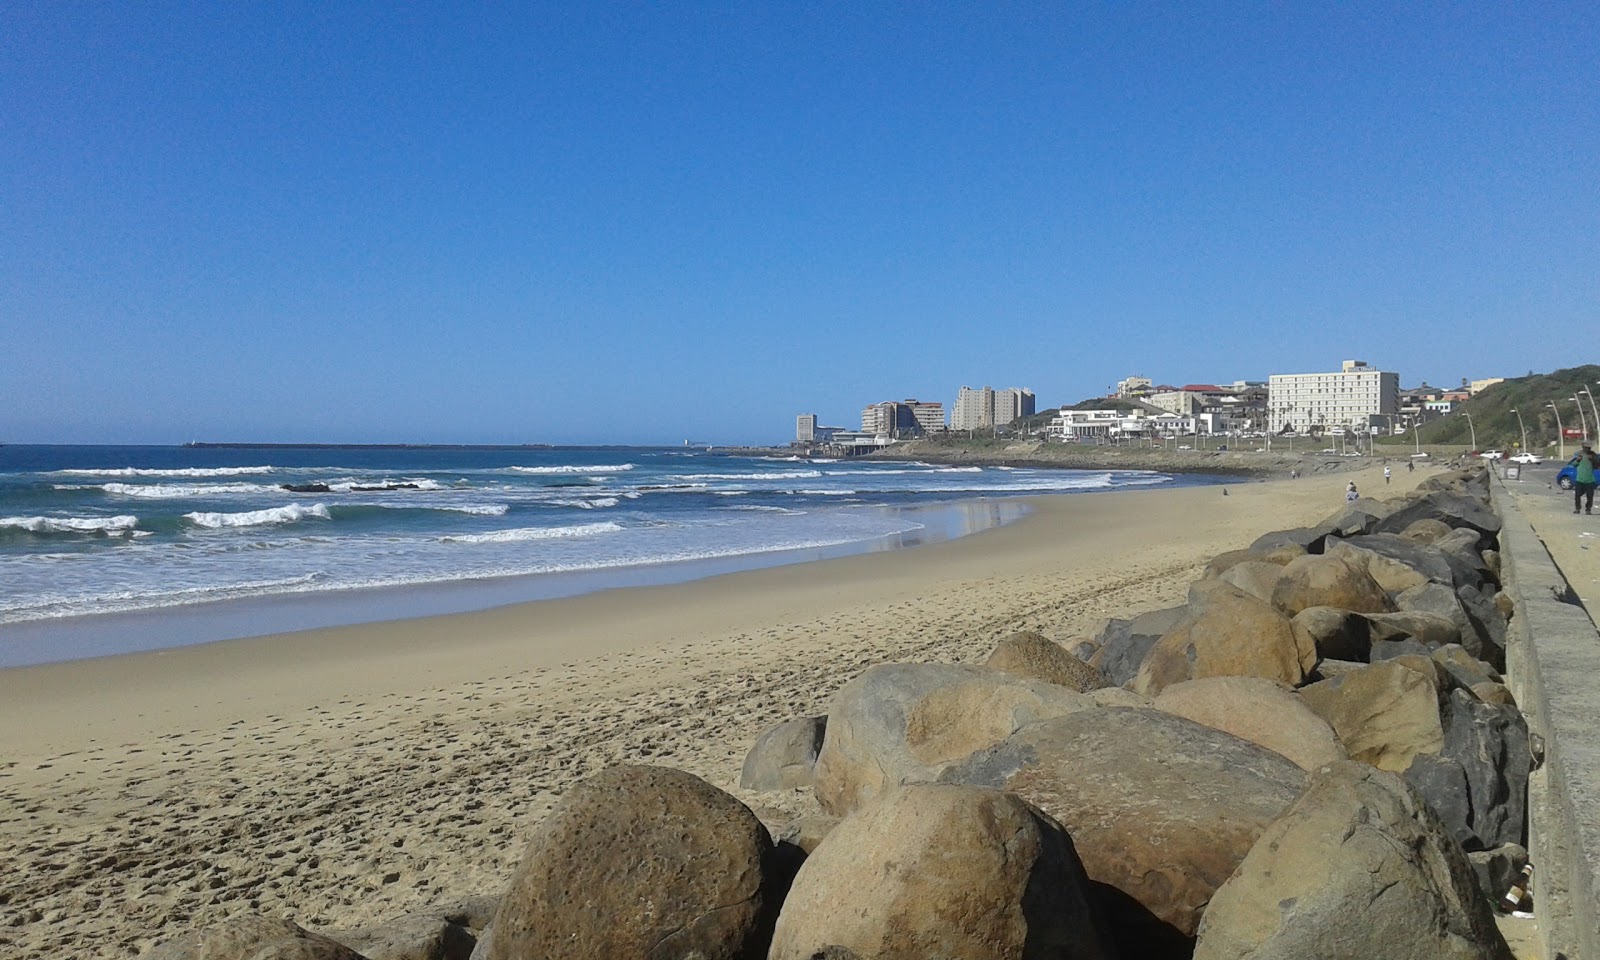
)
(1553, 669)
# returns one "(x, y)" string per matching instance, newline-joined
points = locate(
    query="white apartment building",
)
(1117, 425)
(903, 418)
(1308, 402)
(974, 409)
(805, 427)
(1134, 386)
(985, 407)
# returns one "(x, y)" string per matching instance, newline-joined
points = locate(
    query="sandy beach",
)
(346, 776)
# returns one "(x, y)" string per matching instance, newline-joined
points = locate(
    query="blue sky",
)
(642, 223)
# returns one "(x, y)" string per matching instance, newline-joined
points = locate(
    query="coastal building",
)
(1357, 395)
(1134, 387)
(903, 418)
(805, 428)
(985, 408)
(1113, 424)
(974, 409)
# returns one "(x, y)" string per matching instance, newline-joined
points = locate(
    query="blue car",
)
(1567, 477)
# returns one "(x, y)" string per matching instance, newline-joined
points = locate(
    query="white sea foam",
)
(762, 508)
(601, 468)
(176, 472)
(349, 485)
(598, 503)
(110, 526)
(172, 491)
(534, 533)
(791, 475)
(478, 509)
(254, 518)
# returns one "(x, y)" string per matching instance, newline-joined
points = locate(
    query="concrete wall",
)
(1553, 667)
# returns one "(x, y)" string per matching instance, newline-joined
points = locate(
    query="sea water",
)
(87, 532)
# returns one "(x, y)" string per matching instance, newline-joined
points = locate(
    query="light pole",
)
(1594, 411)
(1523, 428)
(1473, 429)
(1561, 437)
(1581, 418)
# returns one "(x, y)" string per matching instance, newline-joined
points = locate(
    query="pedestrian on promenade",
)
(1350, 494)
(1583, 484)
(1411, 466)
(1385, 474)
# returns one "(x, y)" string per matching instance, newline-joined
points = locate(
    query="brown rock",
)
(1029, 654)
(253, 937)
(1385, 714)
(1160, 808)
(640, 862)
(414, 937)
(1264, 712)
(1255, 577)
(1329, 581)
(1426, 531)
(1226, 633)
(784, 757)
(905, 722)
(1334, 633)
(942, 871)
(1359, 868)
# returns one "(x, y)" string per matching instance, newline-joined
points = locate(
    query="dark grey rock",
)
(1123, 644)
(1454, 510)
(1311, 538)
(1498, 868)
(1439, 600)
(1490, 741)
(1443, 784)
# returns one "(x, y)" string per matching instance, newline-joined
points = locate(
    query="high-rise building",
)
(1354, 396)
(984, 408)
(901, 419)
(805, 427)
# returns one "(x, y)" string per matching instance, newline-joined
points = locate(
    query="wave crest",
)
(535, 533)
(172, 472)
(601, 468)
(109, 526)
(292, 513)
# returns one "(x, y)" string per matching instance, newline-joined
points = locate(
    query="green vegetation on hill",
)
(1496, 424)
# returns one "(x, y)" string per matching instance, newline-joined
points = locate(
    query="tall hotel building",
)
(1351, 397)
(906, 418)
(805, 428)
(984, 408)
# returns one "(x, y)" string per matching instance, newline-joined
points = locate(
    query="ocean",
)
(188, 544)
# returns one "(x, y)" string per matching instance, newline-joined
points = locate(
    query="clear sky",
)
(638, 223)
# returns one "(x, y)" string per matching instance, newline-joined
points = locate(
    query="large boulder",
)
(1335, 633)
(1428, 629)
(1160, 809)
(1385, 714)
(905, 722)
(1329, 581)
(1453, 510)
(1480, 629)
(1306, 539)
(1123, 644)
(784, 757)
(943, 871)
(1359, 517)
(1225, 633)
(1358, 868)
(252, 937)
(1426, 531)
(1478, 782)
(1262, 711)
(1255, 577)
(416, 936)
(640, 862)
(1468, 670)
(1029, 654)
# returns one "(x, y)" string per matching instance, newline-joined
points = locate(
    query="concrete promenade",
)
(1551, 566)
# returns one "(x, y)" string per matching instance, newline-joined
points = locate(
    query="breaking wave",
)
(602, 468)
(108, 526)
(292, 513)
(534, 533)
(174, 472)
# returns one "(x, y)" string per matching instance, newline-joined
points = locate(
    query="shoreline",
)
(1242, 464)
(294, 775)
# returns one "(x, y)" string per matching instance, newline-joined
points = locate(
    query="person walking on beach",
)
(1411, 466)
(1350, 494)
(1385, 474)
(1583, 484)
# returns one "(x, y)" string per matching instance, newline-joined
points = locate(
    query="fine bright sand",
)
(348, 776)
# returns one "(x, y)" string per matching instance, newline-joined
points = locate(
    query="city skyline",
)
(616, 225)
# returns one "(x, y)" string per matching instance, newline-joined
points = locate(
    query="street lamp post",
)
(1581, 418)
(1561, 437)
(1522, 428)
(1472, 429)
(1594, 411)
